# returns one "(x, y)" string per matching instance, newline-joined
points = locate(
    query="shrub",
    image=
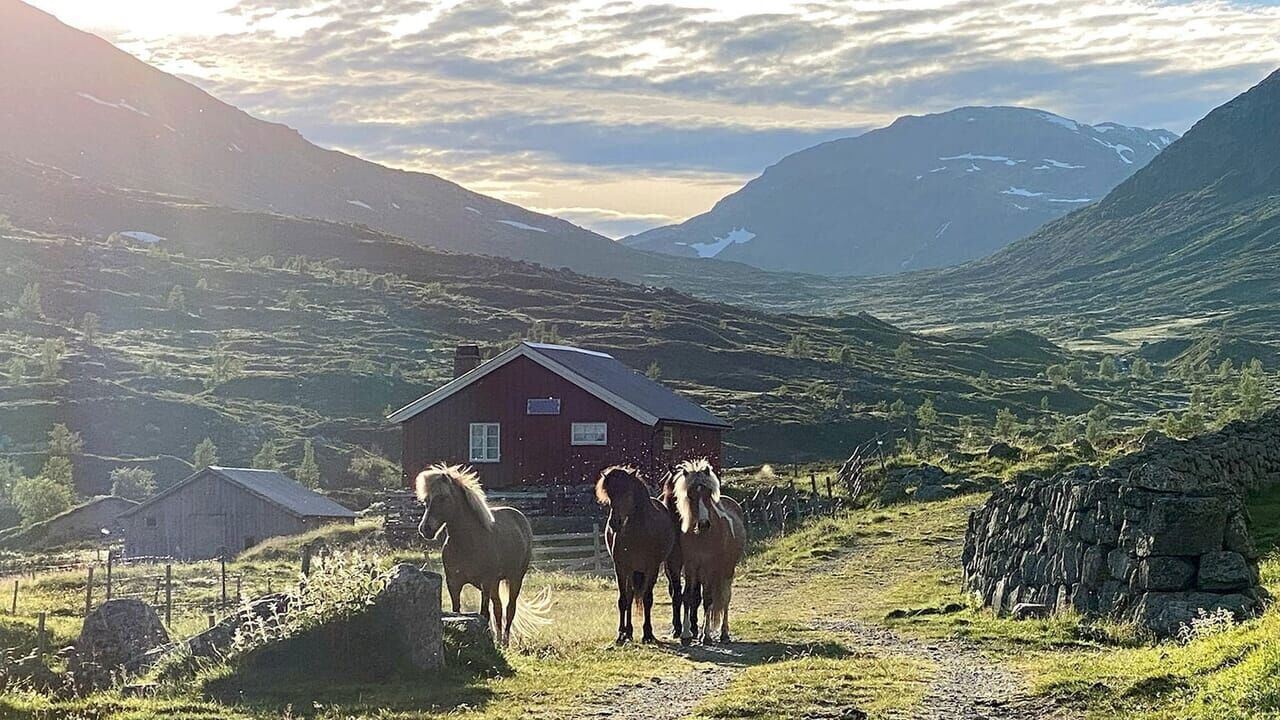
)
(133, 483)
(206, 454)
(268, 456)
(308, 472)
(40, 498)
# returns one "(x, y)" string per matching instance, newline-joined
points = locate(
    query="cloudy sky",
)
(625, 114)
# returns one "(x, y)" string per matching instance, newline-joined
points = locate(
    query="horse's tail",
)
(530, 614)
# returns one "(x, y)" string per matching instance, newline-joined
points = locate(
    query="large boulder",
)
(114, 640)
(410, 605)
(1004, 451)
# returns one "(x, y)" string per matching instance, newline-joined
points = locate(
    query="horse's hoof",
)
(649, 640)
(724, 638)
(686, 641)
(622, 640)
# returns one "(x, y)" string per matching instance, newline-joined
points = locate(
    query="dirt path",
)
(668, 698)
(967, 684)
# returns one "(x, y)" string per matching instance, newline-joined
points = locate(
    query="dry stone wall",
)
(1154, 537)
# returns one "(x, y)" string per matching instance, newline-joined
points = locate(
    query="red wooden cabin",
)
(550, 414)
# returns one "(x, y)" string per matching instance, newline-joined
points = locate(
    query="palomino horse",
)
(713, 535)
(640, 537)
(485, 548)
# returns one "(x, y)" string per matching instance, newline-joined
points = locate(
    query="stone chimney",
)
(465, 359)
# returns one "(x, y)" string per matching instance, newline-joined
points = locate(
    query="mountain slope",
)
(1193, 236)
(924, 192)
(330, 324)
(71, 100)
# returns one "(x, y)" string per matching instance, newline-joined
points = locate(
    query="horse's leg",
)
(708, 600)
(455, 594)
(690, 598)
(624, 603)
(726, 594)
(673, 586)
(496, 599)
(647, 598)
(513, 594)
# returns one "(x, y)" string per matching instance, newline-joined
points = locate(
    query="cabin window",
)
(151, 521)
(542, 406)
(485, 442)
(591, 433)
(668, 438)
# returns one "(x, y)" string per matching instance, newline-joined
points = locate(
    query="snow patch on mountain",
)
(992, 158)
(520, 225)
(1021, 192)
(1059, 120)
(142, 236)
(1119, 148)
(737, 236)
(1059, 164)
(359, 203)
(122, 105)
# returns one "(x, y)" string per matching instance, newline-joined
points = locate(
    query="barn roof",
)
(270, 485)
(598, 373)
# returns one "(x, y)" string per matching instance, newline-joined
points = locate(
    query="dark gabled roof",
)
(598, 373)
(270, 485)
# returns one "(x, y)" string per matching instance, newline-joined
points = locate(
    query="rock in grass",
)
(1031, 611)
(113, 641)
(1004, 451)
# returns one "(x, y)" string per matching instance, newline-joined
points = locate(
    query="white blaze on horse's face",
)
(704, 516)
(432, 521)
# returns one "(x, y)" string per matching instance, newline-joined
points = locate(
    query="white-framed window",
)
(589, 433)
(668, 438)
(485, 442)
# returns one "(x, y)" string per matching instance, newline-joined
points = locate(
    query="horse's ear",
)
(421, 486)
(602, 496)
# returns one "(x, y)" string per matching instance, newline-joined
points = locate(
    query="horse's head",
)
(697, 491)
(434, 488)
(621, 490)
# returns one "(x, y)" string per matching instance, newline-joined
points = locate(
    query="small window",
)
(668, 438)
(151, 521)
(485, 442)
(592, 433)
(542, 406)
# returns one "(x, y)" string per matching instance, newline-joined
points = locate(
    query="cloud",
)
(505, 95)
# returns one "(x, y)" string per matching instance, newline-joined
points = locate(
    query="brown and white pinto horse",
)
(713, 536)
(640, 536)
(488, 548)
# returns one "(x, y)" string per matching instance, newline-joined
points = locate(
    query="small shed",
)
(96, 520)
(221, 511)
(553, 414)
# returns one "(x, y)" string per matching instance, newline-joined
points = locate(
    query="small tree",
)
(1141, 369)
(903, 352)
(60, 470)
(206, 454)
(40, 498)
(1226, 369)
(90, 324)
(1098, 423)
(898, 408)
(1107, 368)
(370, 470)
(63, 442)
(843, 355)
(1057, 374)
(1075, 371)
(133, 483)
(1251, 391)
(51, 358)
(308, 472)
(177, 300)
(657, 319)
(16, 369)
(798, 346)
(29, 306)
(268, 456)
(295, 300)
(926, 415)
(654, 371)
(1006, 424)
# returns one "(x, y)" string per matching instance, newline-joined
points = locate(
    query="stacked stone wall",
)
(1154, 537)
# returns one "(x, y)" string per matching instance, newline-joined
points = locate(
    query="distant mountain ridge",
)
(926, 191)
(72, 101)
(1194, 236)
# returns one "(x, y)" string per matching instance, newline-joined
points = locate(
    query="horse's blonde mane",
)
(461, 479)
(685, 472)
(602, 496)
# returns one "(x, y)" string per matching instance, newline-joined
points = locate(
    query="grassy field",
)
(800, 602)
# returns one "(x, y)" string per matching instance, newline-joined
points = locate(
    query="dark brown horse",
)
(675, 561)
(640, 536)
(488, 548)
(713, 536)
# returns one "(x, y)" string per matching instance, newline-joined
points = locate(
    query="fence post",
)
(306, 560)
(211, 620)
(238, 598)
(595, 546)
(88, 592)
(813, 482)
(110, 558)
(830, 495)
(13, 610)
(224, 580)
(168, 594)
(41, 641)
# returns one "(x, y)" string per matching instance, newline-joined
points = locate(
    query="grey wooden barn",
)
(221, 511)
